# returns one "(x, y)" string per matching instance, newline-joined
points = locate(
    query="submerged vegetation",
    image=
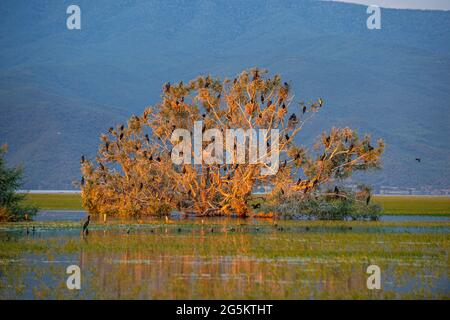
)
(11, 206)
(133, 173)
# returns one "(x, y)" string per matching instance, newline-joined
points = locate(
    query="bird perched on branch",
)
(256, 206)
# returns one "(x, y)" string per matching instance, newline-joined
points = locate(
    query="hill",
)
(59, 89)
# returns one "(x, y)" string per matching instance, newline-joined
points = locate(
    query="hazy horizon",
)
(403, 4)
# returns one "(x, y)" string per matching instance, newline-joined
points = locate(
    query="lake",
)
(224, 258)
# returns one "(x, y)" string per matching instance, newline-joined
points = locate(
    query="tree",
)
(134, 172)
(11, 208)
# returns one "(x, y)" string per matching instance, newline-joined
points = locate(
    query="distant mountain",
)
(59, 89)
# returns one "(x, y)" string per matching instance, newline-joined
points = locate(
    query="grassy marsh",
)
(226, 259)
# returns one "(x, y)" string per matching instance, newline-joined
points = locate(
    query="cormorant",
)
(82, 159)
(293, 117)
(304, 109)
(256, 206)
(418, 159)
(85, 225)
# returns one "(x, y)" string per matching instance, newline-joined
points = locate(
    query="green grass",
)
(55, 201)
(391, 204)
(414, 205)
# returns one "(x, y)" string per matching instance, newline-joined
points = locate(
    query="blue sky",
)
(405, 4)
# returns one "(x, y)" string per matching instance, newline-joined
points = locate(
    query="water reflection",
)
(196, 264)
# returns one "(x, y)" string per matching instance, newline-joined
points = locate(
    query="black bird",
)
(82, 159)
(121, 127)
(147, 138)
(262, 99)
(106, 145)
(286, 136)
(299, 180)
(167, 87)
(293, 117)
(283, 106)
(304, 109)
(121, 136)
(336, 190)
(256, 206)
(150, 158)
(85, 225)
(418, 159)
(368, 200)
(82, 181)
(111, 129)
(158, 159)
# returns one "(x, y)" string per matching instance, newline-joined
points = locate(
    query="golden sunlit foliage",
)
(133, 173)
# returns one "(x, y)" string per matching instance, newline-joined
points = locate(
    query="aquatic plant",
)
(345, 205)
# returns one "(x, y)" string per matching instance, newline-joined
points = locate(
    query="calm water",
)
(61, 215)
(224, 259)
